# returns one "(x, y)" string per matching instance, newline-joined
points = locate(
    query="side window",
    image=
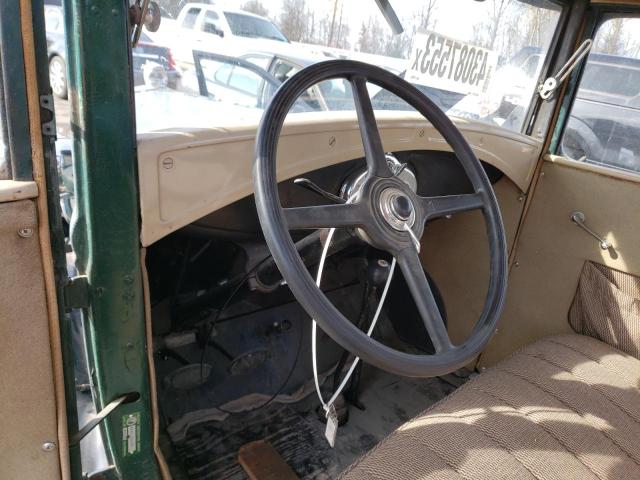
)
(604, 123)
(258, 60)
(245, 81)
(211, 23)
(190, 18)
(232, 84)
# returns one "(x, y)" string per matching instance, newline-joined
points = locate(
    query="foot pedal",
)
(262, 462)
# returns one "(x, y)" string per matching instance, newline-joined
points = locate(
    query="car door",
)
(230, 79)
(581, 220)
(33, 418)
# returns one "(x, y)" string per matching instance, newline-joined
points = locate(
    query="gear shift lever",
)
(309, 185)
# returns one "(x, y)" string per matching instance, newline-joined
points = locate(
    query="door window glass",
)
(190, 17)
(211, 23)
(259, 60)
(604, 123)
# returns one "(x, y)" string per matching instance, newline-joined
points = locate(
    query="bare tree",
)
(332, 26)
(498, 11)
(398, 45)
(426, 14)
(613, 38)
(371, 37)
(293, 20)
(255, 6)
(172, 6)
(538, 21)
(485, 33)
(330, 31)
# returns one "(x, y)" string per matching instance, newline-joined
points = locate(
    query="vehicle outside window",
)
(253, 27)
(483, 66)
(211, 23)
(604, 123)
(189, 20)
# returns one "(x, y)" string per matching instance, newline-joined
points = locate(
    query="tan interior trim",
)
(37, 150)
(162, 464)
(540, 161)
(12, 190)
(185, 175)
(590, 167)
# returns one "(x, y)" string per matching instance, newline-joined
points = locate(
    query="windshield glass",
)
(476, 60)
(253, 27)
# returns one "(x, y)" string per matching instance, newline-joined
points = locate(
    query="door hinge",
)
(49, 127)
(76, 293)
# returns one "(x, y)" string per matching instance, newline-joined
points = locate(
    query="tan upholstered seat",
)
(566, 407)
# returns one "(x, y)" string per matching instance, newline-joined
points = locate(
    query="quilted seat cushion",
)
(566, 407)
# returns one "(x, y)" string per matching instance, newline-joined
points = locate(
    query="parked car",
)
(604, 126)
(252, 79)
(144, 55)
(202, 26)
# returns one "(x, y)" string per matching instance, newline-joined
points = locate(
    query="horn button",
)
(396, 208)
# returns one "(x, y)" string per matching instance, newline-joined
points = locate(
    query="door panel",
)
(28, 417)
(552, 249)
(597, 175)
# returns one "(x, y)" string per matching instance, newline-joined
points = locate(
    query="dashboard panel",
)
(437, 173)
(187, 176)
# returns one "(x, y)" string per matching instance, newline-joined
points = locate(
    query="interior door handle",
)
(579, 218)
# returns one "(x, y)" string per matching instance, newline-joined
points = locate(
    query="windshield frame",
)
(550, 59)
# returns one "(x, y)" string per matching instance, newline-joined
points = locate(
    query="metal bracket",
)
(109, 473)
(48, 128)
(104, 413)
(76, 293)
(579, 218)
(551, 84)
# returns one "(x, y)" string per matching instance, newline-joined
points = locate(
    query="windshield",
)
(253, 27)
(480, 61)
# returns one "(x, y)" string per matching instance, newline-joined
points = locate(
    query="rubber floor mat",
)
(210, 450)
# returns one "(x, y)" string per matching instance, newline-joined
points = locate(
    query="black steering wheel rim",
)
(276, 225)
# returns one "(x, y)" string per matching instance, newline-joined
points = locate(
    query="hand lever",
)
(309, 185)
(579, 219)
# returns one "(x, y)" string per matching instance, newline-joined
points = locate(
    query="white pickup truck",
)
(206, 27)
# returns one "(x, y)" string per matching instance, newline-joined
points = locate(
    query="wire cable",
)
(314, 328)
(211, 325)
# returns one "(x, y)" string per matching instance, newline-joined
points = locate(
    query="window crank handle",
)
(579, 218)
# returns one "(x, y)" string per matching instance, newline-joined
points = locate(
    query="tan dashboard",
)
(185, 175)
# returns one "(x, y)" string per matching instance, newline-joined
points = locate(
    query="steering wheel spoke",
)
(420, 289)
(326, 216)
(449, 204)
(373, 151)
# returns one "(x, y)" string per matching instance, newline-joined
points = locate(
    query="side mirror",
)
(153, 17)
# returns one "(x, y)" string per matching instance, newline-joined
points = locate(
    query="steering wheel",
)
(389, 212)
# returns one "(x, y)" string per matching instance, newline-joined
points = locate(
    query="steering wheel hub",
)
(397, 208)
